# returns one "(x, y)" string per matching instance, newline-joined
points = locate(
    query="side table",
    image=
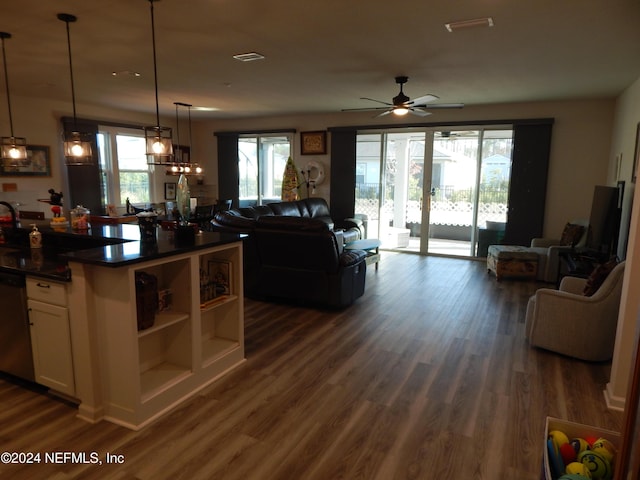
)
(369, 245)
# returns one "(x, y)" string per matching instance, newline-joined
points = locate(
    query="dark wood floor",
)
(427, 376)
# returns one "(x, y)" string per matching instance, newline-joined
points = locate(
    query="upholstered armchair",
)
(569, 322)
(574, 235)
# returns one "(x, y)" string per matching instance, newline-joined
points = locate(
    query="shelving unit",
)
(148, 372)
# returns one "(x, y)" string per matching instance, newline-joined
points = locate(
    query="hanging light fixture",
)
(14, 149)
(180, 166)
(77, 145)
(157, 138)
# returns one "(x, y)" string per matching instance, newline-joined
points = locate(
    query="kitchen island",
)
(131, 375)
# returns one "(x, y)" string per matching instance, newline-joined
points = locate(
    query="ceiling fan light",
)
(400, 111)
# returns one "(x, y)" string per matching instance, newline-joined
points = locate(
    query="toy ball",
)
(579, 445)
(605, 448)
(567, 453)
(590, 440)
(598, 465)
(580, 469)
(572, 476)
(558, 437)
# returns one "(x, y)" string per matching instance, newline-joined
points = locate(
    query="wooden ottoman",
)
(512, 261)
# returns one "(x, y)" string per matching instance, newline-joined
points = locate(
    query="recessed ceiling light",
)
(476, 22)
(248, 57)
(125, 73)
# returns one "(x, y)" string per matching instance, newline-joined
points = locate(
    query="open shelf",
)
(160, 378)
(214, 348)
(164, 320)
(217, 302)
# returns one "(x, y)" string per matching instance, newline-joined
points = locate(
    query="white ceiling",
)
(322, 55)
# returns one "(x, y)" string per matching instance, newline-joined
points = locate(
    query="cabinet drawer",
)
(46, 291)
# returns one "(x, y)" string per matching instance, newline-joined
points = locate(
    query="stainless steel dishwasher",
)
(15, 336)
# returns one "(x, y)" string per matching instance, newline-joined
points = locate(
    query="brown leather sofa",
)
(243, 220)
(301, 259)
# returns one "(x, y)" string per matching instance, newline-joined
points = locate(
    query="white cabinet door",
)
(51, 345)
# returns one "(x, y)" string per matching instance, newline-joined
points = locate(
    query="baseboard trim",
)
(613, 402)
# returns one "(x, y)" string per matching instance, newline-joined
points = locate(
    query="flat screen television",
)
(604, 221)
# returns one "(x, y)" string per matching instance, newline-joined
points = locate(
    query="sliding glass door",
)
(433, 191)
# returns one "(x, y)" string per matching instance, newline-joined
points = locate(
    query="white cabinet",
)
(147, 372)
(50, 335)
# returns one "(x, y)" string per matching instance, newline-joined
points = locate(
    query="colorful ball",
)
(567, 453)
(598, 465)
(572, 476)
(577, 468)
(590, 440)
(559, 438)
(605, 448)
(579, 445)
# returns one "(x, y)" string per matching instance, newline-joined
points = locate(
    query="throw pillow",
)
(571, 234)
(598, 276)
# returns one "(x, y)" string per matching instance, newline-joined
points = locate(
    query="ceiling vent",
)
(476, 22)
(248, 57)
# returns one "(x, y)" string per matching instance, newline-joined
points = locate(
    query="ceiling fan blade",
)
(443, 106)
(424, 99)
(386, 112)
(374, 100)
(365, 109)
(419, 112)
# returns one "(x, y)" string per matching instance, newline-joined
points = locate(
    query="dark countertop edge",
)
(95, 256)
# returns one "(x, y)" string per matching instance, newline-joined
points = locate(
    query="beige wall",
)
(580, 150)
(623, 143)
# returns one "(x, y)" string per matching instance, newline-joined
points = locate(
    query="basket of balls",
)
(574, 451)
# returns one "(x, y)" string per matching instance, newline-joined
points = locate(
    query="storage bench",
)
(512, 261)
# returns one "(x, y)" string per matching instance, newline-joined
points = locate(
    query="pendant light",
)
(157, 138)
(14, 149)
(179, 166)
(77, 146)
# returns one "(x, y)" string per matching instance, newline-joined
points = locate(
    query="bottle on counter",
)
(35, 237)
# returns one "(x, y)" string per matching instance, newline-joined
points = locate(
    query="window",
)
(123, 166)
(261, 163)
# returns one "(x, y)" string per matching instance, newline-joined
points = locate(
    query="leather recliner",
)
(301, 259)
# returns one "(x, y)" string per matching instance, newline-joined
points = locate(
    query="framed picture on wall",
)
(38, 164)
(170, 191)
(313, 143)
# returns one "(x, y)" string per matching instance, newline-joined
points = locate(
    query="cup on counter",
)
(147, 221)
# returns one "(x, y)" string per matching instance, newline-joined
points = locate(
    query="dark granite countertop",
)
(102, 245)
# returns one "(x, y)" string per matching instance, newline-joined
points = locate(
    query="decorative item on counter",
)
(35, 237)
(147, 222)
(80, 218)
(184, 234)
(183, 200)
(55, 200)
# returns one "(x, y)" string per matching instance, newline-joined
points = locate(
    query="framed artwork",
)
(39, 164)
(313, 143)
(170, 191)
(636, 155)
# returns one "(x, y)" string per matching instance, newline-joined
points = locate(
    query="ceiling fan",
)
(402, 104)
